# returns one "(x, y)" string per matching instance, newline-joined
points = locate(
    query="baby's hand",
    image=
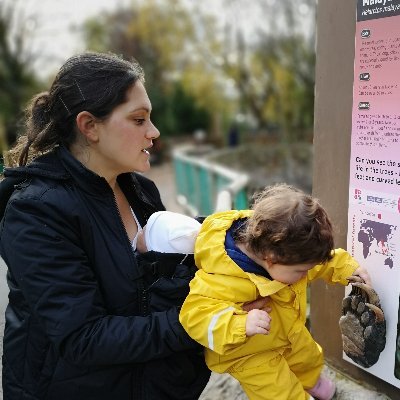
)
(363, 274)
(257, 322)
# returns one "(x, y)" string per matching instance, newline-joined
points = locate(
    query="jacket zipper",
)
(138, 389)
(142, 292)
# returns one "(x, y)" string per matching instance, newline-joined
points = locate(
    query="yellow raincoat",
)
(277, 366)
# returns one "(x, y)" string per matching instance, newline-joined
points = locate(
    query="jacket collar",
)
(92, 183)
(61, 165)
(87, 180)
(46, 166)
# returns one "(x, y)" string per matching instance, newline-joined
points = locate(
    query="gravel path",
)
(224, 387)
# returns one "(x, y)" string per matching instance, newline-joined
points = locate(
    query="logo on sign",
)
(365, 33)
(374, 199)
(365, 76)
(363, 105)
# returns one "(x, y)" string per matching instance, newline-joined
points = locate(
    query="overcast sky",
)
(54, 37)
(56, 34)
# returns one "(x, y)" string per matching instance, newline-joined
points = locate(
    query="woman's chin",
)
(143, 168)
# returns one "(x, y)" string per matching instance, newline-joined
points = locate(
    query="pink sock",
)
(324, 389)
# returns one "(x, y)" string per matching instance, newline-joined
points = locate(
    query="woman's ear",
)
(87, 125)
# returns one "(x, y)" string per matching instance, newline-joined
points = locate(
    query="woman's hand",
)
(257, 322)
(259, 304)
(363, 274)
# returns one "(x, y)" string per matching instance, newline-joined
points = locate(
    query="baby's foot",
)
(324, 389)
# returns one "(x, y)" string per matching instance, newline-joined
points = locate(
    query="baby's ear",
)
(268, 259)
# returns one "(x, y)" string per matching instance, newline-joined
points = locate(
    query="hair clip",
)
(80, 90)
(73, 95)
(69, 112)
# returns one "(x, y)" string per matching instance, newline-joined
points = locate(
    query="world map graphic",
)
(376, 236)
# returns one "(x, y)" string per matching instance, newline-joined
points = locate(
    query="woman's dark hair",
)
(93, 82)
(288, 227)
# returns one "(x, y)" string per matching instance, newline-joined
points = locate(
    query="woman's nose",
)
(153, 132)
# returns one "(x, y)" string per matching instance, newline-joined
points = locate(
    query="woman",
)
(78, 323)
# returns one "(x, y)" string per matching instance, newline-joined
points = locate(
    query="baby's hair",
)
(288, 227)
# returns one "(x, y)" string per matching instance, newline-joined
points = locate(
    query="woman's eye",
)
(139, 121)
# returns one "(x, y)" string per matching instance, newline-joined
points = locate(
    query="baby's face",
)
(287, 273)
(141, 242)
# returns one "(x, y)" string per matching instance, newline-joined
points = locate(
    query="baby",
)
(272, 251)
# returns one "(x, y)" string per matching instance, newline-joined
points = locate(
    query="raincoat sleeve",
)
(42, 244)
(336, 270)
(210, 315)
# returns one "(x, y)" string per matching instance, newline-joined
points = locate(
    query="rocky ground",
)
(267, 164)
(223, 387)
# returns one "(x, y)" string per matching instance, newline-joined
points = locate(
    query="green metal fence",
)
(204, 187)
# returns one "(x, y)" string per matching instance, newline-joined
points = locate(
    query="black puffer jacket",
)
(81, 320)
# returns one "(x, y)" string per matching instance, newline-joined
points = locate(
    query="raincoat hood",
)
(211, 256)
(211, 235)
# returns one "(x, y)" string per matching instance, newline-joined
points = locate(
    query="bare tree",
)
(17, 80)
(267, 49)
